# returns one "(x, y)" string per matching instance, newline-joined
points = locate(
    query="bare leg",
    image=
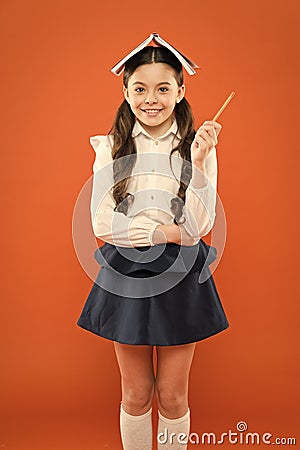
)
(137, 376)
(136, 367)
(172, 380)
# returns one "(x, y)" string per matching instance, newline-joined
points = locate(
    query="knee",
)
(172, 402)
(137, 399)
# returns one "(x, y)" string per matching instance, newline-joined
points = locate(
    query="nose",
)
(150, 98)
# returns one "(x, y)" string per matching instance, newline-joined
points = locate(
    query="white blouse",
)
(153, 184)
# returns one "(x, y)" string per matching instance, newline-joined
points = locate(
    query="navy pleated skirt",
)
(154, 295)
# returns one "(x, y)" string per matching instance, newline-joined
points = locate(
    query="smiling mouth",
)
(151, 112)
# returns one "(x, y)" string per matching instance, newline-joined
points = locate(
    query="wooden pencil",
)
(223, 106)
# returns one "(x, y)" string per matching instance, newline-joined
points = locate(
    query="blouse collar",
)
(138, 128)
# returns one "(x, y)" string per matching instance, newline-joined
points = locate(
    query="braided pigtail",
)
(123, 146)
(185, 121)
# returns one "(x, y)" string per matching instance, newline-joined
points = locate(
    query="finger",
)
(204, 140)
(199, 142)
(215, 124)
(208, 140)
(204, 134)
(210, 130)
(201, 133)
(212, 122)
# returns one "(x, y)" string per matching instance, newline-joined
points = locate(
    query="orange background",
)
(60, 385)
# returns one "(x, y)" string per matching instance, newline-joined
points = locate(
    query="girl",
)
(153, 198)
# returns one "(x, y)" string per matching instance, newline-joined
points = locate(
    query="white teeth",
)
(152, 111)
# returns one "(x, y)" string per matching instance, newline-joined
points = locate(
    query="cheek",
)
(169, 104)
(136, 102)
(172, 103)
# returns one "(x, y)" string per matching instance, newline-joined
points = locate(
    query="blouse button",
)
(156, 142)
(153, 170)
(152, 197)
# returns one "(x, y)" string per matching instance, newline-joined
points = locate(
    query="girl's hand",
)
(185, 238)
(173, 233)
(178, 235)
(205, 139)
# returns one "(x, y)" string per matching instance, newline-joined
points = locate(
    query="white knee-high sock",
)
(136, 431)
(176, 441)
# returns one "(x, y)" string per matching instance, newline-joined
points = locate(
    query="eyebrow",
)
(144, 84)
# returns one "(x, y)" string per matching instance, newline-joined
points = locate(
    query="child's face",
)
(152, 93)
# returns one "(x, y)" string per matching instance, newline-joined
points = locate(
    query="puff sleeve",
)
(108, 225)
(200, 203)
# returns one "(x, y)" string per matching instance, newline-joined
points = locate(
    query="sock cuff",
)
(178, 420)
(141, 417)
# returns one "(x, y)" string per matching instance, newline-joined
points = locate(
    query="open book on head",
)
(187, 63)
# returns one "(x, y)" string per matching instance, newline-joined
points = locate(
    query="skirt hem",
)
(187, 341)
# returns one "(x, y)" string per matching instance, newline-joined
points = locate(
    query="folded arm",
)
(108, 225)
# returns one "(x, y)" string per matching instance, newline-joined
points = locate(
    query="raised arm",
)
(201, 193)
(200, 197)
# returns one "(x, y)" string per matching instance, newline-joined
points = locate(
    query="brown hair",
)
(124, 144)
